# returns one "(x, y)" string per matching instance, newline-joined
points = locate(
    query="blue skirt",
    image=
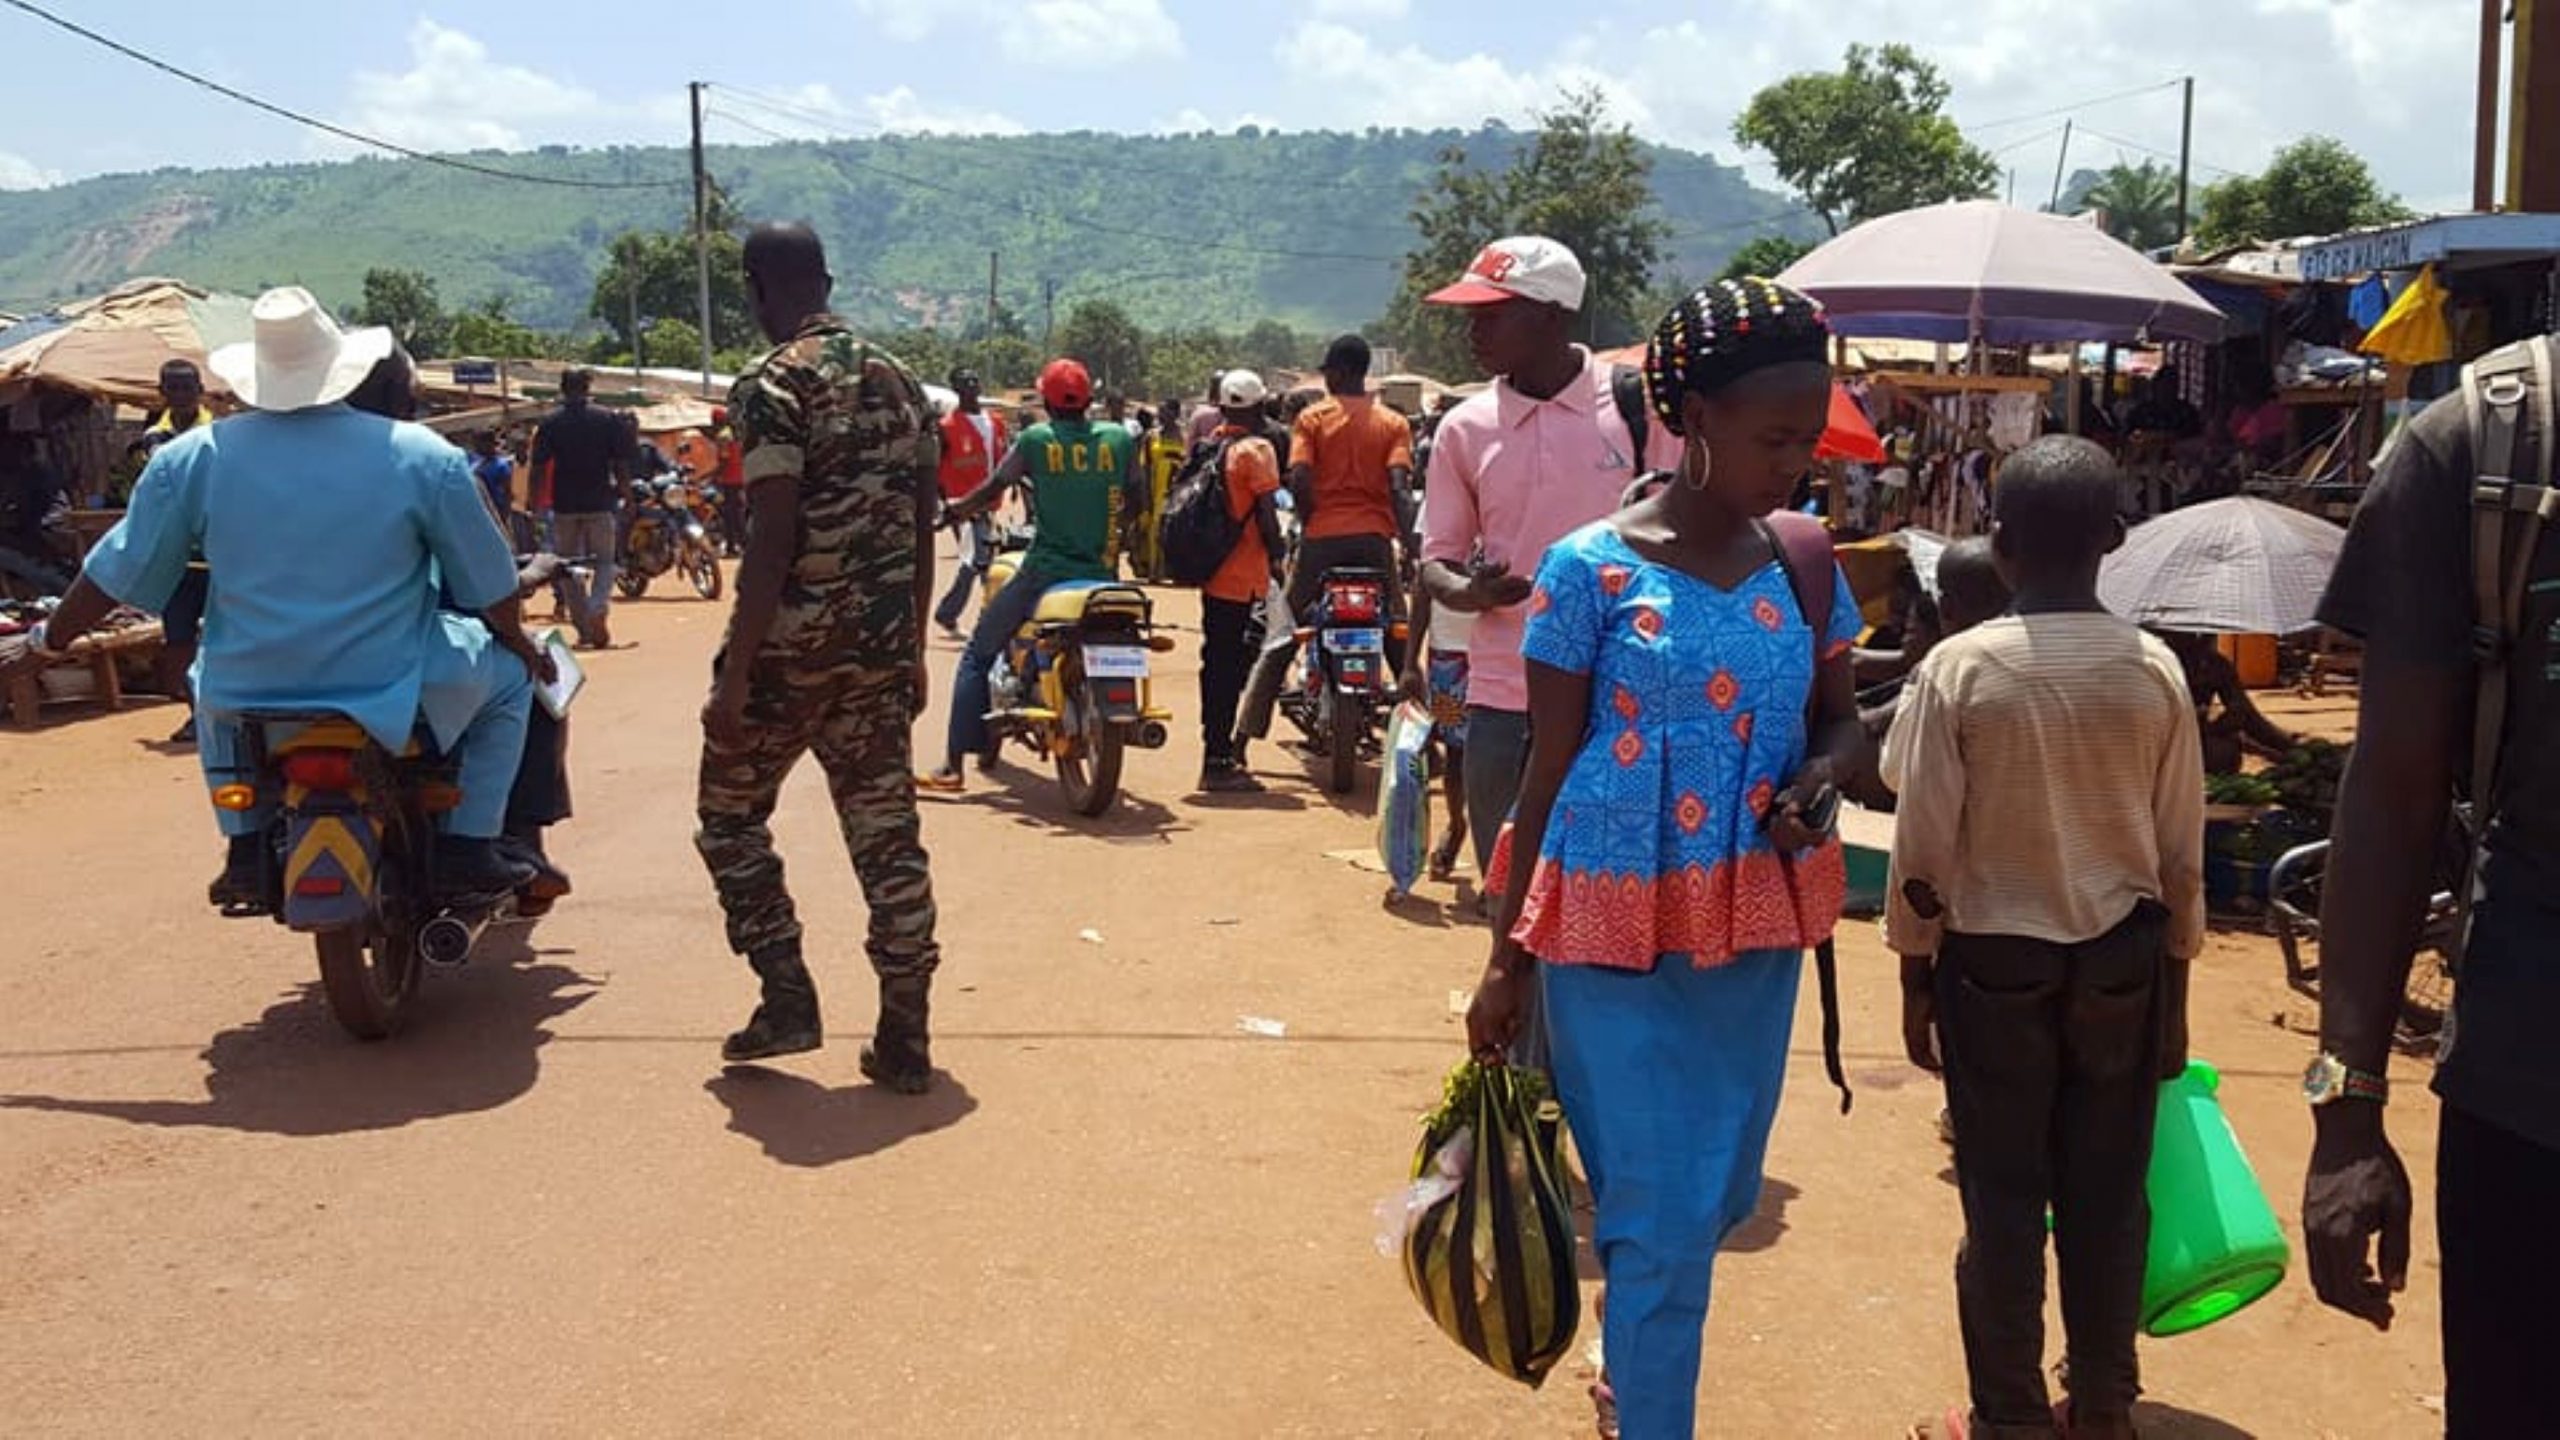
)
(1670, 1081)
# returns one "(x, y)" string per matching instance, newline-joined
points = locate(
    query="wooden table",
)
(97, 653)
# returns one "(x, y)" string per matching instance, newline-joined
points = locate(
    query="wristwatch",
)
(2329, 1081)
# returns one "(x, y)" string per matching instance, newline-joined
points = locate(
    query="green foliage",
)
(1871, 139)
(1114, 351)
(1233, 228)
(1582, 181)
(2140, 202)
(2314, 186)
(405, 302)
(1765, 255)
(669, 341)
(656, 273)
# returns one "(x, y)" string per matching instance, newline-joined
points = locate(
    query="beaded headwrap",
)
(1725, 331)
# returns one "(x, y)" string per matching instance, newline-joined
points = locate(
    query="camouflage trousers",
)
(857, 723)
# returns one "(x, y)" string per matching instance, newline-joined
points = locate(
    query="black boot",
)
(900, 1055)
(241, 888)
(786, 1023)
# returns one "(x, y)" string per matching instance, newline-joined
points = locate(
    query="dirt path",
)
(547, 1210)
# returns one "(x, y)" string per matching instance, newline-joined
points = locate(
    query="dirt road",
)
(547, 1210)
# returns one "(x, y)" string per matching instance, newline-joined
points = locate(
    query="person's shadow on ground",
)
(475, 1044)
(801, 1122)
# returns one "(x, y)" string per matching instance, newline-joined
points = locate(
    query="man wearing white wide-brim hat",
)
(319, 523)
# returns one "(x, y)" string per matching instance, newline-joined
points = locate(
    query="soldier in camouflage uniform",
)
(824, 653)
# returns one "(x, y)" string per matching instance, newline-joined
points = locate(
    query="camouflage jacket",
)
(853, 426)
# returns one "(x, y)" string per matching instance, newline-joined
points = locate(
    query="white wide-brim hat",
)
(299, 358)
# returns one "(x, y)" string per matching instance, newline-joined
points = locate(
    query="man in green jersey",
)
(1083, 479)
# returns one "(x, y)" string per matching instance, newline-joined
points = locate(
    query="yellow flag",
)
(2413, 330)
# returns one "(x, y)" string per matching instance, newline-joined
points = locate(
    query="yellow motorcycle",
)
(1073, 684)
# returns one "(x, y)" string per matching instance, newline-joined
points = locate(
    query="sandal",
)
(941, 782)
(1604, 1406)
(1444, 863)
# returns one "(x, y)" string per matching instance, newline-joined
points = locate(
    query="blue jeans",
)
(971, 696)
(498, 693)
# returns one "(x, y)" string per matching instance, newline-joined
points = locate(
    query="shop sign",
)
(475, 372)
(2362, 255)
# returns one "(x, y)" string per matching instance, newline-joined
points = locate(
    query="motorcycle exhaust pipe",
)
(1152, 735)
(445, 941)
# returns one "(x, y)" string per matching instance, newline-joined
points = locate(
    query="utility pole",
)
(2484, 139)
(2186, 148)
(701, 235)
(2060, 161)
(987, 348)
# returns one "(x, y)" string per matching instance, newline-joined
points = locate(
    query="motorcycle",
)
(1073, 683)
(350, 860)
(671, 529)
(1340, 696)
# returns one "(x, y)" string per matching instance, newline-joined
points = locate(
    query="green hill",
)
(1181, 230)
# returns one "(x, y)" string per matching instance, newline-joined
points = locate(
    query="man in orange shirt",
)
(972, 439)
(1350, 459)
(1227, 635)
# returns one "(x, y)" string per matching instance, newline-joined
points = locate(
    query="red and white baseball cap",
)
(1519, 267)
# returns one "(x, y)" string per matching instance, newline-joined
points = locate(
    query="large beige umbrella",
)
(111, 347)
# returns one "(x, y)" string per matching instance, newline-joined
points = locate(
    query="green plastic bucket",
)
(2215, 1245)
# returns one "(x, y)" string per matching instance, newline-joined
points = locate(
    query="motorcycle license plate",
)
(1356, 642)
(1115, 662)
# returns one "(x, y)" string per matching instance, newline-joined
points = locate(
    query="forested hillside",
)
(1181, 230)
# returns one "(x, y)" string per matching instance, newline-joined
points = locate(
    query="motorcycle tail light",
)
(1352, 602)
(321, 769)
(1116, 692)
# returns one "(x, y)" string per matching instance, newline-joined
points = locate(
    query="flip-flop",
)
(940, 784)
(1604, 1409)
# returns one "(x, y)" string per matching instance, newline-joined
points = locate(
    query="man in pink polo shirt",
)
(1541, 454)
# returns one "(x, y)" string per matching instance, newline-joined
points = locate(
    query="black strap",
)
(1626, 387)
(1826, 971)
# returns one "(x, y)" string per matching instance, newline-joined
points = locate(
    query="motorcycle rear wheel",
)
(1342, 745)
(702, 567)
(369, 985)
(1089, 773)
(629, 583)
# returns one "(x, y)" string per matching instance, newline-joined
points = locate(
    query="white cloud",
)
(2391, 78)
(1360, 9)
(901, 110)
(1088, 33)
(454, 96)
(20, 173)
(1076, 34)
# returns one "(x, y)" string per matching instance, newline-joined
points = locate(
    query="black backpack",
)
(1199, 529)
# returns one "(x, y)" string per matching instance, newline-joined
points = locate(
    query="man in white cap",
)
(1249, 452)
(319, 523)
(1546, 450)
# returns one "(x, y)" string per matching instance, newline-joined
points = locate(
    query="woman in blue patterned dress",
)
(1674, 867)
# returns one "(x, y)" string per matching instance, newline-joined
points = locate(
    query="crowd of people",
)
(1644, 671)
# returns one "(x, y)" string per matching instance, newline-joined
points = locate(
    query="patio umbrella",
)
(1977, 269)
(1849, 435)
(2241, 566)
(112, 346)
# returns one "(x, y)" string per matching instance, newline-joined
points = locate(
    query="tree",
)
(1764, 255)
(1271, 345)
(1871, 139)
(2314, 186)
(404, 301)
(655, 270)
(672, 342)
(1581, 181)
(489, 331)
(2140, 203)
(1113, 349)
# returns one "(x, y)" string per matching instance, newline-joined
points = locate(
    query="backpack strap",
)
(2509, 402)
(1626, 387)
(1804, 552)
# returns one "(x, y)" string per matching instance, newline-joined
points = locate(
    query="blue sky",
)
(2390, 77)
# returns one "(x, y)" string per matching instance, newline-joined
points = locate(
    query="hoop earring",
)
(1697, 466)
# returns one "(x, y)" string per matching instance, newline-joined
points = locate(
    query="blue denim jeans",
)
(1004, 613)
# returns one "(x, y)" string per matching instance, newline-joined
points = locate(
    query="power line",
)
(2061, 110)
(342, 132)
(2154, 150)
(1025, 211)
